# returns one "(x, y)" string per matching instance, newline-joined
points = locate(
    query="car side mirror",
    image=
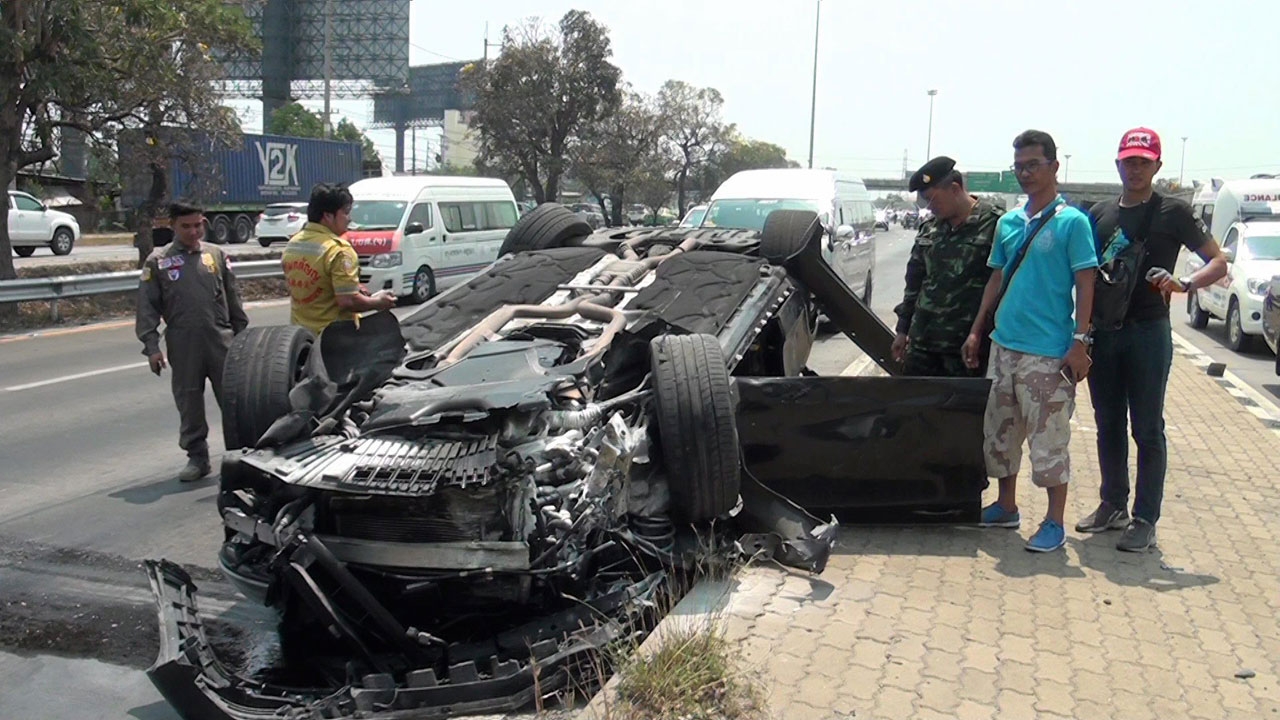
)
(1229, 254)
(414, 228)
(844, 232)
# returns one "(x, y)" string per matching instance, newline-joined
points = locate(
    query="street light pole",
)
(1066, 175)
(928, 148)
(813, 103)
(1182, 165)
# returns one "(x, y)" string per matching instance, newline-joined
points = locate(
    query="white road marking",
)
(77, 376)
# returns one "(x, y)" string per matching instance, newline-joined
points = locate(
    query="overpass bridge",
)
(1086, 193)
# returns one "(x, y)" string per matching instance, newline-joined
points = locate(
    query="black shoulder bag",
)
(1118, 278)
(1008, 276)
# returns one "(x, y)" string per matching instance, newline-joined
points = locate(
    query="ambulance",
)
(418, 235)
(1244, 217)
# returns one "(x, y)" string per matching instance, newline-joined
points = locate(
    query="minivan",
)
(841, 201)
(418, 235)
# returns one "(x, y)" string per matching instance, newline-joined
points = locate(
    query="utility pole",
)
(328, 62)
(906, 169)
(488, 44)
(414, 145)
(928, 148)
(1066, 174)
(813, 103)
(1182, 165)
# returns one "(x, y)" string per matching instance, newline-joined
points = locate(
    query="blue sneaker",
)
(1048, 538)
(995, 516)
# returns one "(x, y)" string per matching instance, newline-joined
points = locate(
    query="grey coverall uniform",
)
(195, 293)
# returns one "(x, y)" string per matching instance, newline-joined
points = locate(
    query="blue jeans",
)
(1128, 378)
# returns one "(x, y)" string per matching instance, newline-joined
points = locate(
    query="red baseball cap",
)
(1140, 142)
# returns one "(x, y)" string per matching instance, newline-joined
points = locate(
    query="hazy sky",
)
(1083, 70)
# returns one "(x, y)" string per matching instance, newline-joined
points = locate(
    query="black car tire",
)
(550, 225)
(24, 250)
(694, 405)
(242, 230)
(264, 242)
(262, 366)
(220, 227)
(786, 233)
(1236, 339)
(424, 287)
(1196, 316)
(62, 242)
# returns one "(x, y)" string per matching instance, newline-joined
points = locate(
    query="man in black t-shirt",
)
(1131, 363)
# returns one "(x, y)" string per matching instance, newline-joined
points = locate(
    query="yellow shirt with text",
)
(318, 267)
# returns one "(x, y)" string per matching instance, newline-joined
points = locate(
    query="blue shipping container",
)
(262, 169)
(272, 168)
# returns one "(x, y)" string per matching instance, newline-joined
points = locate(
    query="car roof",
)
(401, 185)
(791, 182)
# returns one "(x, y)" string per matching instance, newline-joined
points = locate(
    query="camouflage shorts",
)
(1030, 401)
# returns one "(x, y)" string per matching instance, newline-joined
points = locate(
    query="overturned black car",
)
(455, 512)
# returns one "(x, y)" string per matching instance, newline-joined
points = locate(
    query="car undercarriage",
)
(459, 512)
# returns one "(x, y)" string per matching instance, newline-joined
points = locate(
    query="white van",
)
(1244, 218)
(418, 235)
(841, 201)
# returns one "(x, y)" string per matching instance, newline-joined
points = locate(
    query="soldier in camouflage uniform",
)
(945, 275)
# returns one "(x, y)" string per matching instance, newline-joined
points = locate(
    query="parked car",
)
(1253, 253)
(694, 216)
(1271, 318)
(457, 511)
(33, 225)
(279, 222)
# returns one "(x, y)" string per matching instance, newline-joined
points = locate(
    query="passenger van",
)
(841, 201)
(418, 235)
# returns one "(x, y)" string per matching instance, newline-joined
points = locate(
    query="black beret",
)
(931, 173)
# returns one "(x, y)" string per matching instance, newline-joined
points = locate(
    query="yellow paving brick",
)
(1054, 697)
(870, 653)
(860, 682)
(978, 686)
(908, 646)
(938, 695)
(1016, 677)
(969, 710)
(828, 661)
(1016, 649)
(904, 675)
(943, 665)
(894, 703)
(817, 690)
(1016, 706)
(1092, 686)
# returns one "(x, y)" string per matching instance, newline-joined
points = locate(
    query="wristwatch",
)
(1085, 338)
(1186, 284)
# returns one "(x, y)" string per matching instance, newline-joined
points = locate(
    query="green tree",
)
(102, 65)
(533, 101)
(737, 154)
(610, 154)
(694, 133)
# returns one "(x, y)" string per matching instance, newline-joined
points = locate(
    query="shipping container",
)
(235, 184)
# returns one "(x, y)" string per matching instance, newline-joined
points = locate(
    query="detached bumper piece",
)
(192, 679)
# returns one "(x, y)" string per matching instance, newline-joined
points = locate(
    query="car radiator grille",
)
(454, 514)
(389, 465)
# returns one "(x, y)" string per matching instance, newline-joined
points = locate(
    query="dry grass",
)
(692, 674)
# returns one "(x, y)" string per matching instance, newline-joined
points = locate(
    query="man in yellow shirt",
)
(322, 269)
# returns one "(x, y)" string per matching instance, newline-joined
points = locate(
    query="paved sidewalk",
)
(964, 623)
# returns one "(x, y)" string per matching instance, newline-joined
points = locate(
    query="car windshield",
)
(694, 218)
(1264, 247)
(377, 214)
(750, 214)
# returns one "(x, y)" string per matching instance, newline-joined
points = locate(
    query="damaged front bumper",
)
(531, 661)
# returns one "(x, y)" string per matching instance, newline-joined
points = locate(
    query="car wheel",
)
(243, 229)
(221, 228)
(264, 242)
(262, 366)
(24, 251)
(1236, 339)
(62, 241)
(550, 225)
(424, 286)
(1196, 316)
(866, 289)
(787, 233)
(694, 405)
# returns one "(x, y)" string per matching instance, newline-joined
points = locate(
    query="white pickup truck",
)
(32, 225)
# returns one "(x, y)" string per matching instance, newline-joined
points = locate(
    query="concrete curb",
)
(1255, 402)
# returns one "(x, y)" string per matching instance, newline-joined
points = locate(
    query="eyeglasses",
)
(1028, 168)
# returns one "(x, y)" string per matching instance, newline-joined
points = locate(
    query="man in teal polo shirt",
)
(1039, 348)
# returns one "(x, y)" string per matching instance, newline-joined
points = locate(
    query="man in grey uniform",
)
(191, 287)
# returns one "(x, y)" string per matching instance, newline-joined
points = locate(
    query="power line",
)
(433, 52)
